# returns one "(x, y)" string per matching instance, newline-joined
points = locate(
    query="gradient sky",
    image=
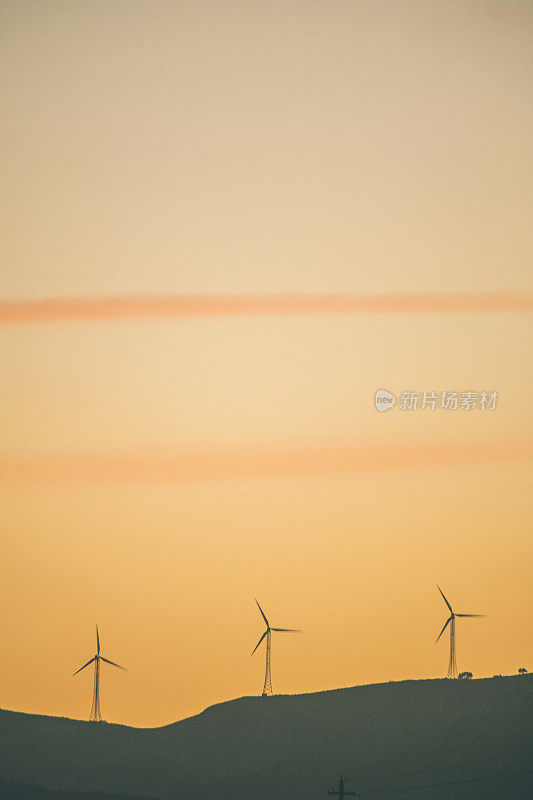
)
(158, 473)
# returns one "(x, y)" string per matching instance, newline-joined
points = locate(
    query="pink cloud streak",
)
(202, 465)
(183, 306)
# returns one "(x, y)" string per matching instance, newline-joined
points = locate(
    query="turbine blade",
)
(470, 615)
(107, 661)
(97, 640)
(85, 665)
(285, 630)
(442, 593)
(258, 643)
(263, 614)
(442, 631)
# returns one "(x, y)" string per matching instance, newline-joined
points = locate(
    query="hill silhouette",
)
(410, 740)
(16, 791)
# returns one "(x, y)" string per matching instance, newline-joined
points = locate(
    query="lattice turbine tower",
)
(267, 686)
(96, 713)
(452, 664)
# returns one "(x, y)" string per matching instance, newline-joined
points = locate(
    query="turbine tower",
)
(96, 714)
(267, 688)
(452, 665)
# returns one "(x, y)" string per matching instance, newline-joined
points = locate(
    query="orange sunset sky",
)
(225, 226)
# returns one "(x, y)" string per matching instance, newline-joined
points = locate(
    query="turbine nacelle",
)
(453, 614)
(98, 657)
(269, 629)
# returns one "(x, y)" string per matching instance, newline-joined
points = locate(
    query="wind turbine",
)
(96, 715)
(452, 666)
(267, 688)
